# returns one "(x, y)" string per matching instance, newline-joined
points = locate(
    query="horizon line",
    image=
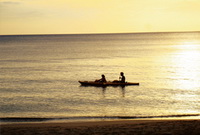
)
(109, 33)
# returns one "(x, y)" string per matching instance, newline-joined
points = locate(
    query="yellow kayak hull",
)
(100, 84)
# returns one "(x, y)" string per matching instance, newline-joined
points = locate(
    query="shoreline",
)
(167, 126)
(93, 118)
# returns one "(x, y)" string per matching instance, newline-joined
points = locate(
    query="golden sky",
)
(98, 16)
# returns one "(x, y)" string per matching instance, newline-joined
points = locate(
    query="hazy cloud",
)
(10, 2)
(17, 10)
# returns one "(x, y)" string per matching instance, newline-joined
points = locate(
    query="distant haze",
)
(97, 16)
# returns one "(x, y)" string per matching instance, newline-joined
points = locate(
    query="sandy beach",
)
(118, 127)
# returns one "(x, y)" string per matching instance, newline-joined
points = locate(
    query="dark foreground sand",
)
(123, 127)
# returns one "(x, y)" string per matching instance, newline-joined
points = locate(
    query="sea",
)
(39, 76)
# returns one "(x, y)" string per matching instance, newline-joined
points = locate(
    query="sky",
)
(97, 16)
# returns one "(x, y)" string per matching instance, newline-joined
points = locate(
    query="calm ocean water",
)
(39, 75)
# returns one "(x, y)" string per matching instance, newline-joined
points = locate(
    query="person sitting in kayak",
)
(102, 80)
(122, 78)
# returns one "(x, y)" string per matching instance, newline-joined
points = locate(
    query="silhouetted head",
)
(103, 76)
(121, 73)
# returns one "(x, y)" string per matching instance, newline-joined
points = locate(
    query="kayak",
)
(100, 84)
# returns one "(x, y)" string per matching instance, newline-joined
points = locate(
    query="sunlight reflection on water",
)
(188, 63)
